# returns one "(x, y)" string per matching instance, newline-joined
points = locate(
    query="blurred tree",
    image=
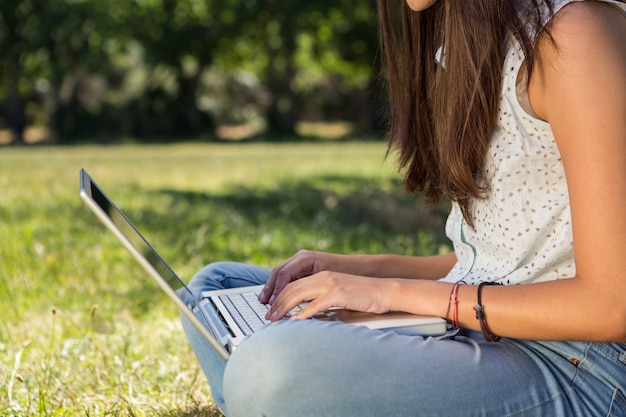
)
(179, 39)
(308, 55)
(75, 36)
(139, 67)
(14, 16)
(337, 62)
(47, 47)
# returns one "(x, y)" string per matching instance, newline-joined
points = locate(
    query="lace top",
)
(523, 230)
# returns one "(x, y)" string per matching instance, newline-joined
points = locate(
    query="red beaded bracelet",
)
(480, 314)
(453, 311)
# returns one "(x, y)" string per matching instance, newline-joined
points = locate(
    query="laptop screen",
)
(137, 240)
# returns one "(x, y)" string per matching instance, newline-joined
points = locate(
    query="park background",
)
(235, 129)
(76, 70)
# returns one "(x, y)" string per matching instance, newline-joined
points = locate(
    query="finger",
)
(268, 290)
(313, 308)
(291, 271)
(293, 295)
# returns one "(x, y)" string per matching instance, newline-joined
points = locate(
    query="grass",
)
(83, 330)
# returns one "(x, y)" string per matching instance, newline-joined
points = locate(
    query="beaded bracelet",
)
(480, 315)
(453, 311)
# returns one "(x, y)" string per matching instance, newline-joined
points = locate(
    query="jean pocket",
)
(618, 405)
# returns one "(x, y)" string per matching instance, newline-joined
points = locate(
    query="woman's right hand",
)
(300, 265)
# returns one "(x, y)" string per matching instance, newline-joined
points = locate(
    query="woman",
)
(516, 111)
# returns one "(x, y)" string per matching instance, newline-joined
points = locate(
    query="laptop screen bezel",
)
(119, 224)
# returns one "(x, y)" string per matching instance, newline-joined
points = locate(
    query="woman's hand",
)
(328, 289)
(302, 264)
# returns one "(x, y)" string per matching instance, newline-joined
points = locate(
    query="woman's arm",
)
(306, 263)
(397, 266)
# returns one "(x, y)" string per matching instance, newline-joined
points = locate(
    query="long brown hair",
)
(443, 114)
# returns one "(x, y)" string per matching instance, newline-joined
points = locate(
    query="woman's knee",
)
(221, 275)
(265, 369)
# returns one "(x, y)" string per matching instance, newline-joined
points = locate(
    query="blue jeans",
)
(311, 368)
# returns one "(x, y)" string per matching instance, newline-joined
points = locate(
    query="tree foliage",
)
(148, 68)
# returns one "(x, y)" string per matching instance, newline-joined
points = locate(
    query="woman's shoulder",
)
(584, 31)
(574, 16)
(584, 46)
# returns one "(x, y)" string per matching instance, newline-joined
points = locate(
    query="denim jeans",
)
(312, 368)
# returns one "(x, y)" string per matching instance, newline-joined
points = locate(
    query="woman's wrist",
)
(425, 297)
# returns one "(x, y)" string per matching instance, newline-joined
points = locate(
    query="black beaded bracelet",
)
(480, 314)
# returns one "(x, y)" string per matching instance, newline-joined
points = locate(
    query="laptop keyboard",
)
(247, 311)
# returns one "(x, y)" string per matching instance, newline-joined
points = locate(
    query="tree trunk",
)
(15, 117)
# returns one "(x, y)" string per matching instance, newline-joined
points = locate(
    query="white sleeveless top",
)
(523, 230)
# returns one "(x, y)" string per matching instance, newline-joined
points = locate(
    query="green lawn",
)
(85, 332)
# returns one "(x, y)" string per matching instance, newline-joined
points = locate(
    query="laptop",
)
(226, 317)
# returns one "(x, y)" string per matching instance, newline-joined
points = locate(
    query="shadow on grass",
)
(335, 205)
